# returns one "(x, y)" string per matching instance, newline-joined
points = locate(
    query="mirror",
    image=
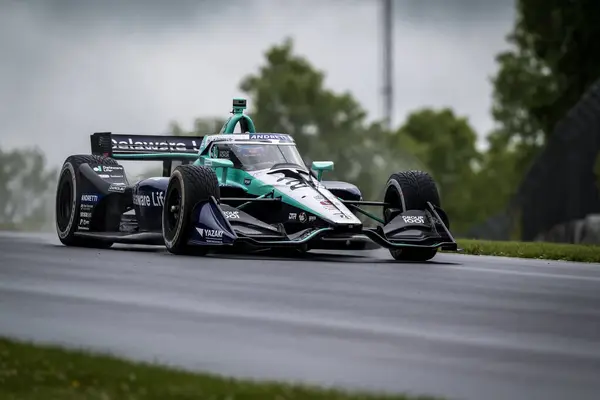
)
(218, 163)
(321, 166)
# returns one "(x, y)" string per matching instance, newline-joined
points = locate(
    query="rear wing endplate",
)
(163, 148)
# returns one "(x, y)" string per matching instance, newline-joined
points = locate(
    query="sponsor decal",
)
(328, 205)
(151, 145)
(84, 222)
(85, 215)
(247, 181)
(312, 218)
(104, 176)
(319, 197)
(113, 168)
(413, 219)
(302, 217)
(86, 207)
(210, 235)
(154, 199)
(292, 216)
(117, 187)
(89, 198)
(223, 153)
(105, 168)
(220, 138)
(270, 136)
(232, 214)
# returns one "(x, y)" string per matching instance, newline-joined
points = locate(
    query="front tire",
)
(411, 190)
(68, 201)
(188, 185)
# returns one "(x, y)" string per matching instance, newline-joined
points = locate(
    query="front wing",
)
(222, 225)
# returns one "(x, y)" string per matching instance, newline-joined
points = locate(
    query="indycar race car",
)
(243, 191)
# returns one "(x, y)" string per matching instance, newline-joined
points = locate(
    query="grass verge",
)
(32, 372)
(539, 250)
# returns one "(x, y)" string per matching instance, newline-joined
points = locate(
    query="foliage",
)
(496, 180)
(538, 80)
(564, 39)
(26, 189)
(552, 62)
(49, 372)
(445, 143)
(521, 87)
(289, 95)
(538, 250)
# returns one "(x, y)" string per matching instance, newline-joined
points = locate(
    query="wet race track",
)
(459, 326)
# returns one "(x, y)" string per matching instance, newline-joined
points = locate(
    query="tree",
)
(445, 143)
(552, 63)
(565, 39)
(26, 190)
(521, 88)
(288, 95)
(495, 181)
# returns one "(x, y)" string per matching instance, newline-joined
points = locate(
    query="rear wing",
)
(136, 147)
(146, 147)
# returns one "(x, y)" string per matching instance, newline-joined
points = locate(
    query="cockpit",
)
(257, 156)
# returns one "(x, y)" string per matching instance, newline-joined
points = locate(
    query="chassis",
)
(207, 199)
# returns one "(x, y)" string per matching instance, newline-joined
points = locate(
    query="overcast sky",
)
(72, 67)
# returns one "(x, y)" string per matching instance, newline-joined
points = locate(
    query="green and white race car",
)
(238, 191)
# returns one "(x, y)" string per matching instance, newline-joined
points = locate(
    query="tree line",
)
(550, 64)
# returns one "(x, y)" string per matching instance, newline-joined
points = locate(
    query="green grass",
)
(539, 250)
(29, 372)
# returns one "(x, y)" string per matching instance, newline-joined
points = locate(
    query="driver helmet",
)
(251, 153)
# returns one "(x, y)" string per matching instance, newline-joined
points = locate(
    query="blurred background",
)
(497, 99)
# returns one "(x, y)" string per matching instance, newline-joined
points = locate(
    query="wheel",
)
(411, 190)
(188, 185)
(68, 200)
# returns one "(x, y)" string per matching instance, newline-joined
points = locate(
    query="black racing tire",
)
(68, 200)
(188, 185)
(411, 190)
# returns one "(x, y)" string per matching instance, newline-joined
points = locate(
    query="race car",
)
(244, 191)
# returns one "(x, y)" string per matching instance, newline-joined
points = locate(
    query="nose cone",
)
(336, 212)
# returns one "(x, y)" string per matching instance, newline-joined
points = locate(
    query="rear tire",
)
(411, 190)
(68, 201)
(188, 185)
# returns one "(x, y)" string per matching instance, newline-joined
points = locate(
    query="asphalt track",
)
(461, 326)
